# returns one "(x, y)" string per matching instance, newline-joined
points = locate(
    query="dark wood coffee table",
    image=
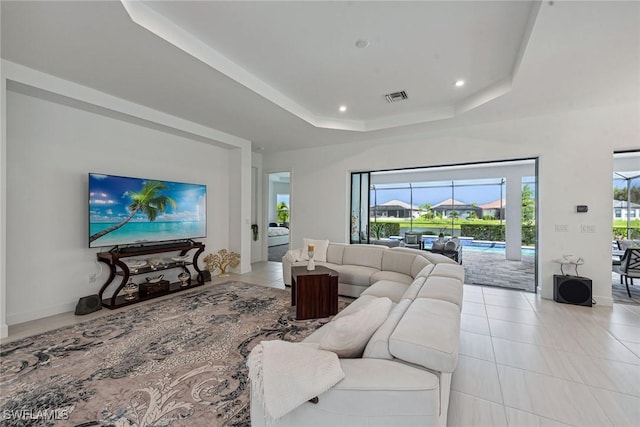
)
(314, 293)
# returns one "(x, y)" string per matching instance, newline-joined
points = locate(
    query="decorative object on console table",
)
(153, 287)
(221, 261)
(184, 278)
(129, 290)
(254, 230)
(311, 265)
(124, 262)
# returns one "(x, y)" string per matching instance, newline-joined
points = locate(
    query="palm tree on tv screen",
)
(148, 200)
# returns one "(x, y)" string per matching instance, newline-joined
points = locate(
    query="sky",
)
(109, 198)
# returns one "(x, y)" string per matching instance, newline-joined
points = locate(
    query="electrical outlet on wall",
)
(562, 228)
(93, 277)
(587, 228)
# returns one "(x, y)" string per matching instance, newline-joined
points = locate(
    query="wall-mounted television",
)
(128, 211)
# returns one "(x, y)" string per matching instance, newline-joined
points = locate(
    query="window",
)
(626, 195)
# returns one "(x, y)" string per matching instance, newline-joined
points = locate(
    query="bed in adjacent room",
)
(278, 236)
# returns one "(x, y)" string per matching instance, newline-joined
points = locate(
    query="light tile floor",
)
(524, 360)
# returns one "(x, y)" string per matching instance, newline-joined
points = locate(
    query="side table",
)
(314, 293)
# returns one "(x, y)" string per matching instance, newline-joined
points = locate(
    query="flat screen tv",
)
(127, 211)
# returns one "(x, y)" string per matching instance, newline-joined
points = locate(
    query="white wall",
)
(54, 132)
(50, 150)
(574, 148)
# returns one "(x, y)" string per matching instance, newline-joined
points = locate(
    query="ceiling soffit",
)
(482, 42)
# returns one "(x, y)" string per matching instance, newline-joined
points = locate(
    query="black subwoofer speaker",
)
(572, 290)
(88, 305)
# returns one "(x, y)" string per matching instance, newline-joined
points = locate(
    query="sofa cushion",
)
(397, 261)
(335, 251)
(387, 288)
(428, 335)
(373, 392)
(356, 305)
(348, 335)
(449, 270)
(319, 249)
(364, 255)
(425, 272)
(378, 345)
(390, 275)
(349, 290)
(355, 274)
(442, 288)
(412, 291)
(419, 263)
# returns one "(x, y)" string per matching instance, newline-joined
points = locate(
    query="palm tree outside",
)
(148, 201)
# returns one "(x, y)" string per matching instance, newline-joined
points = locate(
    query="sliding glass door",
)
(360, 207)
(489, 207)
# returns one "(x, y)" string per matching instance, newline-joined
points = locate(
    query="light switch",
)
(587, 228)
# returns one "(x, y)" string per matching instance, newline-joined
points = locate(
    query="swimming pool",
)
(469, 244)
(531, 252)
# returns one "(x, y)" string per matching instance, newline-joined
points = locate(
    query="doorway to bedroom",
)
(278, 215)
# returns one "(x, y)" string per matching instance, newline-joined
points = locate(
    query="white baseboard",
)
(4, 331)
(27, 316)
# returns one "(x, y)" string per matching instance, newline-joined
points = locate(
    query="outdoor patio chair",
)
(630, 267)
(413, 239)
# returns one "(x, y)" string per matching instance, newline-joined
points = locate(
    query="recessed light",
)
(342, 108)
(362, 43)
(459, 83)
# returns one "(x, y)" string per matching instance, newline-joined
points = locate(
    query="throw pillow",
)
(349, 335)
(319, 249)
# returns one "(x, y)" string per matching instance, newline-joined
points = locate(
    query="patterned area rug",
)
(178, 362)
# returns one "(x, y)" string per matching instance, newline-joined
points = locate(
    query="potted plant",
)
(221, 261)
(377, 229)
(283, 213)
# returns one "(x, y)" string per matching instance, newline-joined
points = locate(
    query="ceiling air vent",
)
(396, 96)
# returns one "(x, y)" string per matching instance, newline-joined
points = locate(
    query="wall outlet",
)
(587, 228)
(562, 228)
(93, 277)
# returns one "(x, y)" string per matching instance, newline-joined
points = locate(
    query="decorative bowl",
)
(184, 278)
(129, 289)
(135, 263)
(156, 279)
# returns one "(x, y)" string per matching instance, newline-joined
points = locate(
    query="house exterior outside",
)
(495, 208)
(447, 207)
(622, 210)
(395, 209)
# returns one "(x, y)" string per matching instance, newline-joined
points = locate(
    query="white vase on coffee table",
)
(311, 265)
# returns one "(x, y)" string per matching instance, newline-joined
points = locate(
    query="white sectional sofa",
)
(403, 376)
(360, 266)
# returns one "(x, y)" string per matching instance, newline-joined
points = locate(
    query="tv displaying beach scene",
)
(127, 211)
